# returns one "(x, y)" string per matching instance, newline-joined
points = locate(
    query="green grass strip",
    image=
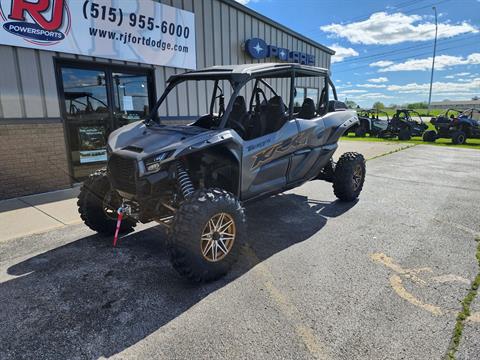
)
(465, 311)
(471, 143)
(392, 151)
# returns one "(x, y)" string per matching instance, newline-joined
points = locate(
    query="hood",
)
(147, 140)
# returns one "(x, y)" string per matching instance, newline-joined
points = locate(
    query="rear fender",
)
(340, 122)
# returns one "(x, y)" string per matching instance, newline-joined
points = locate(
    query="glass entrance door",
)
(130, 96)
(98, 99)
(88, 118)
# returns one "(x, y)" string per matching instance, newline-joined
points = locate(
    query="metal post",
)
(433, 60)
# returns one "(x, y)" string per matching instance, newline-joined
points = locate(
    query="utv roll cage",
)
(239, 75)
(372, 113)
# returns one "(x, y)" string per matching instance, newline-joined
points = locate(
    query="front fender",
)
(228, 138)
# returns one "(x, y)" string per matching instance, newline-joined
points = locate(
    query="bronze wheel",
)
(218, 237)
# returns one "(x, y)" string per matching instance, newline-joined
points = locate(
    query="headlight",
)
(152, 164)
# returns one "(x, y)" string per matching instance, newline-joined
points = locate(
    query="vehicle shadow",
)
(87, 299)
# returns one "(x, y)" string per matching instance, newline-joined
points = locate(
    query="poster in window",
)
(92, 144)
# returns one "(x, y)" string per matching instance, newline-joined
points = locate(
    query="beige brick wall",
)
(33, 159)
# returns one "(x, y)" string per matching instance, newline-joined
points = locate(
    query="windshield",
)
(213, 97)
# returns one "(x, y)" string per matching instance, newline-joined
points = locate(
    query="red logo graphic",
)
(35, 10)
(40, 22)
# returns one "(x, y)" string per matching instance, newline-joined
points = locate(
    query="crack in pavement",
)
(465, 313)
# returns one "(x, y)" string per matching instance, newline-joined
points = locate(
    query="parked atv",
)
(404, 124)
(372, 122)
(195, 179)
(455, 125)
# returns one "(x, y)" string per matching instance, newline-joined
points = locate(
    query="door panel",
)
(266, 159)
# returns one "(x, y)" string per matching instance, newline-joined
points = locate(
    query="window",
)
(312, 94)
(303, 93)
(299, 97)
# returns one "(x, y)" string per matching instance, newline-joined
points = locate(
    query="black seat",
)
(273, 115)
(308, 109)
(239, 109)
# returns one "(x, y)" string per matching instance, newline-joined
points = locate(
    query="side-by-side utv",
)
(456, 125)
(404, 124)
(195, 179)
(372, 122)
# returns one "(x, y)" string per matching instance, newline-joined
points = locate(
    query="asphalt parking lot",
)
(378, 279)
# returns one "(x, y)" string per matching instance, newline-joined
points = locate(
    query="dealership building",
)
(74, 73)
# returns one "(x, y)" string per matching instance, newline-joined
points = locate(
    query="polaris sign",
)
(258, 49)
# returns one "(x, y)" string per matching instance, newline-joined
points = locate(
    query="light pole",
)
(433, 59)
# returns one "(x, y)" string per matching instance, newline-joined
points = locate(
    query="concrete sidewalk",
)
(43, 212)
(38, 213)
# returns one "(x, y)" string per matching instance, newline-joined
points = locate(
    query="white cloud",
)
(243, 2)
(439, 88)
(380, 79)
(366, 96)
(375, 96)
(441, 62)
(386, 29)
(372, 86)
(463, 74)
(354, 91)
(342, 53)
(382, 63)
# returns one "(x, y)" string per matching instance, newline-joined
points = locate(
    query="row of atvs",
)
(405, 123)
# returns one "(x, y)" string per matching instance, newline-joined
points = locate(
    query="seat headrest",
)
(239, 104)
(308, 109)
(277, 103)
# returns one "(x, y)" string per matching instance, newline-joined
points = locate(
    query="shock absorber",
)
(184, 182)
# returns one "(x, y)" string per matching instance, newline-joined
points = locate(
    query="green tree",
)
(419, 105)
(351, 104)
(378, 105)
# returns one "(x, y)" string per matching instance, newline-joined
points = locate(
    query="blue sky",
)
(385, 47)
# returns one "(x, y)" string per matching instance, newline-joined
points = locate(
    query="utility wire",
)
(401, 50)
(404, 58)
(367, 16)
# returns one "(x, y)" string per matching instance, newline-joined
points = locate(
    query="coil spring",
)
(184, 182)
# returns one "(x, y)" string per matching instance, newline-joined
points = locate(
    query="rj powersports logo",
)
(258, 49)
(42, 22)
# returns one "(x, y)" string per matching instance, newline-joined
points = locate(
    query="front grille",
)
(122, 172)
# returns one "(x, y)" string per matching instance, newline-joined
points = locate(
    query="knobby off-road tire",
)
(360, 131)
(189, 239)
(98, 205)
(459, 137)
(404, 134)
(349, 176)
(429, 136)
